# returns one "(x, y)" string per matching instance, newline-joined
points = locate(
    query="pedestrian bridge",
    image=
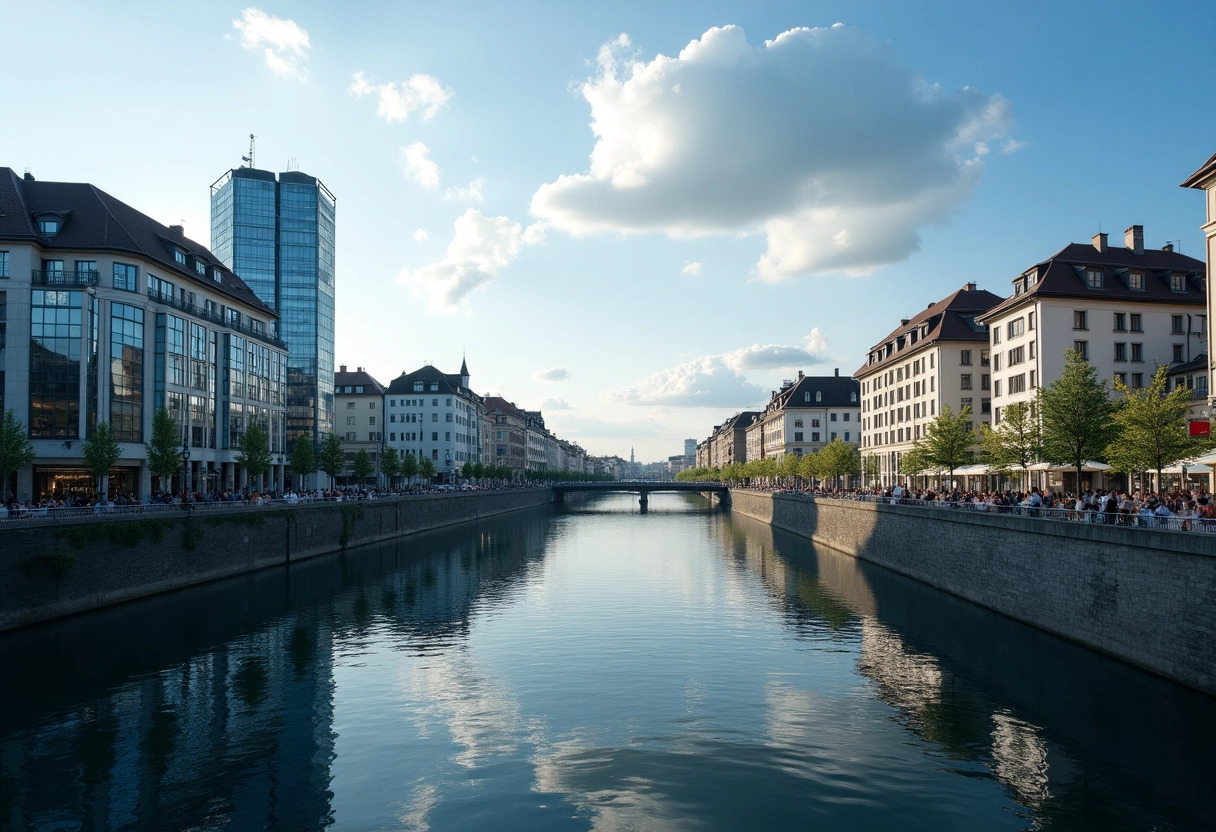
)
(644, 488)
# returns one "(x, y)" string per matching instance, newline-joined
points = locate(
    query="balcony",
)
(59, 277)
(204, 314)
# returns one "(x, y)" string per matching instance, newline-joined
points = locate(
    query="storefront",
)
(73, 482)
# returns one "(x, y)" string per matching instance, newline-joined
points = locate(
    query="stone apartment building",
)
(435, 415)
(804, 415)
(504, 435)
(359, 416)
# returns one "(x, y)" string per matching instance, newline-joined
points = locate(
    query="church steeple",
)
(464, 372)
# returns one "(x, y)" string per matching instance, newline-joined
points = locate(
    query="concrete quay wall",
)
(51, 570)
(1147, 597)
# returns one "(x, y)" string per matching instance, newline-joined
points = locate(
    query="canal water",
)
(587, 667)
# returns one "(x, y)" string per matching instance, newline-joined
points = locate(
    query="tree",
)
(364, 467)
(409, 467)
(303, 458)
(1076, 415)
(1151, 427)
(788, 467)
(426, 469)
(332, 457)
(947, 441)
(809, 467)
(914, 461)
(871, 468)
(16, 450)
(839, 459)
(466, 470)
(1017, 440)
(164, 452)
(255, 453)
(390, 465)
(100, 453)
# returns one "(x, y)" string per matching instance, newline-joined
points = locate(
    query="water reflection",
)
(589, 669)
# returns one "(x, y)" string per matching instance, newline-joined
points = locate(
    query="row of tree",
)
(832, 463)
(1070, 421)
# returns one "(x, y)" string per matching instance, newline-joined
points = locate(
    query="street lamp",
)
(185, 464)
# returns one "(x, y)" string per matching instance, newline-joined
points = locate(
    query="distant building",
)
(107, 316)
(278, 235)
(359, 403)
(728, 442)
(1128, 310)
(804, 415)
(938, 357)
(434, 415)
(1193, 375)
(690, 447)
(505, 435)
(1204, 179)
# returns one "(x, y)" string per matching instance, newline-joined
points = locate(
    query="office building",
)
(277, 234)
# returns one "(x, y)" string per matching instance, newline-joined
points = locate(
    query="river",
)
(587, 667)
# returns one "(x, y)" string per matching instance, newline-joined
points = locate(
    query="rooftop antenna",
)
(292, 164)
(249, 159)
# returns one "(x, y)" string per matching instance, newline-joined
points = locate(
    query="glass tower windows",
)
(56, 328)
(126, 372)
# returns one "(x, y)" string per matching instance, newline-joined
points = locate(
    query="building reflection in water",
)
(1022, 705)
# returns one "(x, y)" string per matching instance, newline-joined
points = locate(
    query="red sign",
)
(1200, 427)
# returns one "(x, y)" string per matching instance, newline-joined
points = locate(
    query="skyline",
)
(794, 192)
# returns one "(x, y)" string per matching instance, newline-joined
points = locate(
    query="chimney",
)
(904, 321)
(1100, 242)
(837, 372)
(178, 230)
(969, 287)
(341, 368)
(800, 374)
(1168, 247)
(1133, 238)
(29, 177)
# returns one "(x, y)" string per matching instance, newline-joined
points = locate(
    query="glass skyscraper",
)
(277, 234)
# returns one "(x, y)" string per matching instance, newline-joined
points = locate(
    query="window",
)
(1033, 384)
(996, 335)
(964, 381)
(371, 420)
(964, 357)
(814, 423)
(1135, 280)
(434, 402)
(1120, 322)
(996, 388)
(1137, 322)
(984, 358)
(846, 436)
(125, 277)
(1017, 384)
(417, 386)
(1121, 378)
(435, 387)
(833, 434)
(350, 436)
(1177, 282)
(1081, 347)
(985, 405)
(1017, 355)
(200, 267)
(806, 396)
(179, 256)
(1137, 381)
(815, 436)
(359, 388)
(371, 405)
(1017, 327)
(818, 396)
(1120, 351)
(996, 362)
(1177, 353)
(1030, 320)
(48, 226)
(1137, 352)
(1032, 350)
(797, 436)
(846, 417)
(831, 417)
(985, 382)
(1093, 278)
(434, 417)
(1080, 319)
(797, 423)
(350, 405)
(350, 420)
(3, 264)
(964, 402)
(996, 416)
(1175, 323)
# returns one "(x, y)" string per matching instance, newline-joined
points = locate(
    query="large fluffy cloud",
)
(819, 139)
(283, 44)
(398, 100)
(481, 247)
(720, 380)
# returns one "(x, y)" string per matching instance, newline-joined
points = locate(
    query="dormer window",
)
(217, 275)
(818, 396)
(1031, 278)
(49, 226)
(1177, 282)
(417, 386)
(434, 386)
(852, 398)
(806, 396)
(1094, 278)
(179, 256)
(1135, 280)
(201, 268)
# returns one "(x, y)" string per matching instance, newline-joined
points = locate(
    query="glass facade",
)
(56, 332)
(278, 236)
(126, 372)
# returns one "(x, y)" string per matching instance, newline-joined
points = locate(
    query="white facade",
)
(434, 416)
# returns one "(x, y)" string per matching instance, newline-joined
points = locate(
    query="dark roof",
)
(501, 405)
(953, 318)
(1063, 275)
(740, 421)
(1197, 364)
(359, 378)
(825, 391)
(427, 374)
(1199, 178)
(94, 220)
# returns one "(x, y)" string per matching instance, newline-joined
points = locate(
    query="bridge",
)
(642, 487)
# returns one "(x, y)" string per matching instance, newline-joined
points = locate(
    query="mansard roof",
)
(358, 378)
(501, 405)
(953, 318)
(428, 375)
(816, 392)
(94, 220)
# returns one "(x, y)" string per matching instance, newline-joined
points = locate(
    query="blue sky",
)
(639, 217)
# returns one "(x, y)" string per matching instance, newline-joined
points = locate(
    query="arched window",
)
(818, 396)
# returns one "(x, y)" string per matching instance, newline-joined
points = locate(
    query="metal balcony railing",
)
(60, 277)
(202, 313)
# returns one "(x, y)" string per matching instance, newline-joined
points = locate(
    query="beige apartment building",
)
(804, 415)
(938, 357)
(359, 417)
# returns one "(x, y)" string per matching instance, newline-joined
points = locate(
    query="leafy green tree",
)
(409, 467)
(1076, 415)
(303, 458)
(466, 470)
(809, 467)
(788, 467)
(914, 461)
(364, 467)
(479, 470)
(871, 468)
(1151, 427)
(426, 469)
(255, 453)
(164, 451)
(16, 450)
(332, 458)
(1016, 441)
(101, 452)
(390, 465)
(839, 459)
(947, 442)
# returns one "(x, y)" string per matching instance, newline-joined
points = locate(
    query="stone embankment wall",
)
(1145, 596)
(52, 570)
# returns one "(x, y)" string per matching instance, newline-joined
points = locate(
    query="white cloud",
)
(1012, 146)
(421, 235)
(554, 404)
(398, 100)
(819, 139)
(551, 374)
(481, 247)
(719, 380)
(283, 44)
(692, 268)
(416, 161)
(471, 193)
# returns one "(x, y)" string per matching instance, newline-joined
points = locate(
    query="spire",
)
(464, 372)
